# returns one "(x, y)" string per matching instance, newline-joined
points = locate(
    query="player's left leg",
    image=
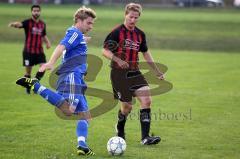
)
(70, 106)
(70, 99)
(39, 75)
(144, 97)
(79, 105)
(82, 134)
(39, 59)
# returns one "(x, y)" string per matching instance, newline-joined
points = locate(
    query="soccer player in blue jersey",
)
(70, 85)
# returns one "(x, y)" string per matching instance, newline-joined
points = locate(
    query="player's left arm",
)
(87, 38)
(149, 59)
(47, 41)
(45, 38)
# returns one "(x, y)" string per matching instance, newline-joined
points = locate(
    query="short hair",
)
(35, 6)
(83, 13)
(133, 7)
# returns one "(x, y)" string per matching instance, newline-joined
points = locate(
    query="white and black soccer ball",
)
(116, 146)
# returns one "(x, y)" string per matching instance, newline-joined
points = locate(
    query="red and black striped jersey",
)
(126, 44)
(34, 31)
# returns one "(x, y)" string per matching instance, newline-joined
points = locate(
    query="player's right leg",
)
(27, 63)
(126, 108)
(28, 71)
(52, 97)
(76, 103)
(121, 85)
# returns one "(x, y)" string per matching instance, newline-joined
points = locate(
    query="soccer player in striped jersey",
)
(122, 46)
(71, 87)
(35, 34)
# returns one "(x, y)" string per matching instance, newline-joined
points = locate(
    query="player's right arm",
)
(109, 55)
(71, 40)
(111, 44)
(15, 24)
(53, 59)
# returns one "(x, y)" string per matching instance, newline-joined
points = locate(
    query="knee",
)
(146, 102)
(67, 112)
(126, 109)
(129, 109)
(72, 109)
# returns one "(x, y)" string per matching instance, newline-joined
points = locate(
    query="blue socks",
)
(57, 100)
(82, 132)
(51, 96)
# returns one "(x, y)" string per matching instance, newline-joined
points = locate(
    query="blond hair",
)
(83, 13)
(133, 7)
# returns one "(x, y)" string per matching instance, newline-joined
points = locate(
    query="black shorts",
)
(125, 82)
(33, 59)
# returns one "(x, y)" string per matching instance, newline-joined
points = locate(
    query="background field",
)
(198, 118)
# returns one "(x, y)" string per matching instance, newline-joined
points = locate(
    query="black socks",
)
(145, 120)
(28, 76)
(121, 123)
(39, 75)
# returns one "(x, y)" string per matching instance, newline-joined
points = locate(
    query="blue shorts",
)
(72, 87)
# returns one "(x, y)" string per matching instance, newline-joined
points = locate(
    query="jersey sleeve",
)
(143, 45)
(72, 39)
(25, 23)
(44, 30)
(111, 41)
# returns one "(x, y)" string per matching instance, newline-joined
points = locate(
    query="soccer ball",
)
(116, 146)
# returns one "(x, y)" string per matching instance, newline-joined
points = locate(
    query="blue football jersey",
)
(75, 56)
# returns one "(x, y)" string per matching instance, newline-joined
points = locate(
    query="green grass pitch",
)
(198, 118)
